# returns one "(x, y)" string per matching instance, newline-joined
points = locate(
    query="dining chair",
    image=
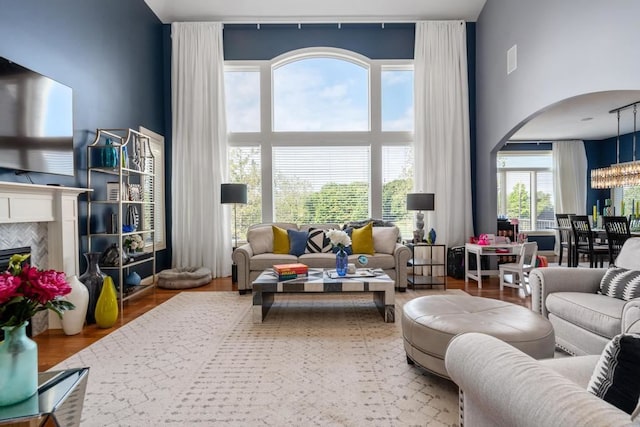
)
(565, 236)
(520, 270)
(617, 228)
(584, 242)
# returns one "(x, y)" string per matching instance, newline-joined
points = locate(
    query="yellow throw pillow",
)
(362, 240)
(280, 240)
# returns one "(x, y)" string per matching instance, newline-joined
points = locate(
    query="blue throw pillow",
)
(297, 242)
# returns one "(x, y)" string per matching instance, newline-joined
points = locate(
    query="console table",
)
(481, 250)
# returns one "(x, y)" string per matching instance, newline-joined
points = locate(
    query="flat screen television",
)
(36, 121)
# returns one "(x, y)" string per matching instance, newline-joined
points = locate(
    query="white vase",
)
(73, 320)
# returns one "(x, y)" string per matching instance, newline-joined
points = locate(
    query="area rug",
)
(317, 360)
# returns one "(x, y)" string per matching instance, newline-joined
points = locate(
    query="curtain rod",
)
(300, 23)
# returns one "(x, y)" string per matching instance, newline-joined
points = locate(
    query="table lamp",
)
(420, 202)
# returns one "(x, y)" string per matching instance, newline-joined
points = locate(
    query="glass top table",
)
(58, 402)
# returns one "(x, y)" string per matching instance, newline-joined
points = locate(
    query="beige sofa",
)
(502, 386)
(584, 320)
(257, 254)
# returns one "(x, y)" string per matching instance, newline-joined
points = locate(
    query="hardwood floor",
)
(54, 346)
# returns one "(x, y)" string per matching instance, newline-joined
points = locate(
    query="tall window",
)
(332, 132)
(525, 189)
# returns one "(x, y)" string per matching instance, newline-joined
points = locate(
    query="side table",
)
(58, 402)
(436, 259)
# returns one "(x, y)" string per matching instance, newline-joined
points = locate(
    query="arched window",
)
(330, 132)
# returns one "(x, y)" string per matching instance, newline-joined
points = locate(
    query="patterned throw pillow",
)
(317, 242)
(616, 378)
(621, 283)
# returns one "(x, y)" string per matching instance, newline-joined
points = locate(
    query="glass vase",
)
(107, 305)
(92, 279)
(18, 365)
(342, 261)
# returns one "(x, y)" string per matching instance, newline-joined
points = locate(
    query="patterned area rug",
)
(317, 360)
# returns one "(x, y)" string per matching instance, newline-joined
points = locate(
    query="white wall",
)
(565, 48)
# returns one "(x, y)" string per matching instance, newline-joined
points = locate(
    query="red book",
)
(296, 268)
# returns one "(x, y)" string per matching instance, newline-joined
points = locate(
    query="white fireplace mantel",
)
(55, 205)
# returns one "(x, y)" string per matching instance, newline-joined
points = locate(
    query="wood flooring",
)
(54, 346)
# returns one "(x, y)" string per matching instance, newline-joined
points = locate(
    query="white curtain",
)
(442, 142)
(201, 236)
(569, 179)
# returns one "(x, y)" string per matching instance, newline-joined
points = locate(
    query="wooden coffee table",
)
(319, 281)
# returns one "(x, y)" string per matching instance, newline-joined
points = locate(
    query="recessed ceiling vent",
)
(512, 59)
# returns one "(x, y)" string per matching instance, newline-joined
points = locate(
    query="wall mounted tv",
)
(36, 121)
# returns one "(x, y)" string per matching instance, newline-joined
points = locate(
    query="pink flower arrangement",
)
(25, 290)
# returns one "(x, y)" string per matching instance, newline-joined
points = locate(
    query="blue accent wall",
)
(244, 42)
(601, 153)
(109, 52)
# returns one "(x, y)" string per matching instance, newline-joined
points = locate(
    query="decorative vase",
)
(342, 261)
(73, 320)
(109, 155)
(432, 236)
(132, 279)
(92, 279)
(18, 365)
(107, 306)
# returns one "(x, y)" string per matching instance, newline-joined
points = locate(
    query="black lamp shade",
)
(420, 201)
(233, 193)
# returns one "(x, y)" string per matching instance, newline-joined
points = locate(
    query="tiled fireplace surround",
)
(44, 218)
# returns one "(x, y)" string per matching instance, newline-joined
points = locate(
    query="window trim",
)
(159, 211)
(501, 173)
(267, 138)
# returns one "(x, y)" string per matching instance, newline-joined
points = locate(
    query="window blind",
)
(319, 184)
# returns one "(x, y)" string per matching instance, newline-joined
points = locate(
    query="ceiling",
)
(582, 117)
(299, 11)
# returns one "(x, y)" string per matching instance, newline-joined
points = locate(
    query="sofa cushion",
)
(260, 239)
(317, 242)
(267, 260)
(593, 312)
(362, 240)
(280, 240)
(616, 377)
(323, 226)
(620, 283)
(319, 260)
(297, 241)
(385, 238)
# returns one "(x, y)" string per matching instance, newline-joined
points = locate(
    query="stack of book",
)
(290, 271)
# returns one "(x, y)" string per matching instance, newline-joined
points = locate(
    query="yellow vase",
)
(107, 305)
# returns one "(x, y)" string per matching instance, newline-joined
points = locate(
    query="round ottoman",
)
(184, 277)
(429, 323)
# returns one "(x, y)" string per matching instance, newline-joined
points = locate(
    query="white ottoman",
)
(429, 323)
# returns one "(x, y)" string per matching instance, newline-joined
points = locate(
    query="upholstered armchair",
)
(584, 320)
(502, 386)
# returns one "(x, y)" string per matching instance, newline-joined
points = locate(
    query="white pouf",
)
(184, 277)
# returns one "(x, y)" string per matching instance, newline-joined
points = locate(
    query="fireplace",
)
(44, 220)
(5, 256)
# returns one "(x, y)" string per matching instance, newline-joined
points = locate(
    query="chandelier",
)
(620, 174)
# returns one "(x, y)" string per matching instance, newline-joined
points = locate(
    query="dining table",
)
(597, 232)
